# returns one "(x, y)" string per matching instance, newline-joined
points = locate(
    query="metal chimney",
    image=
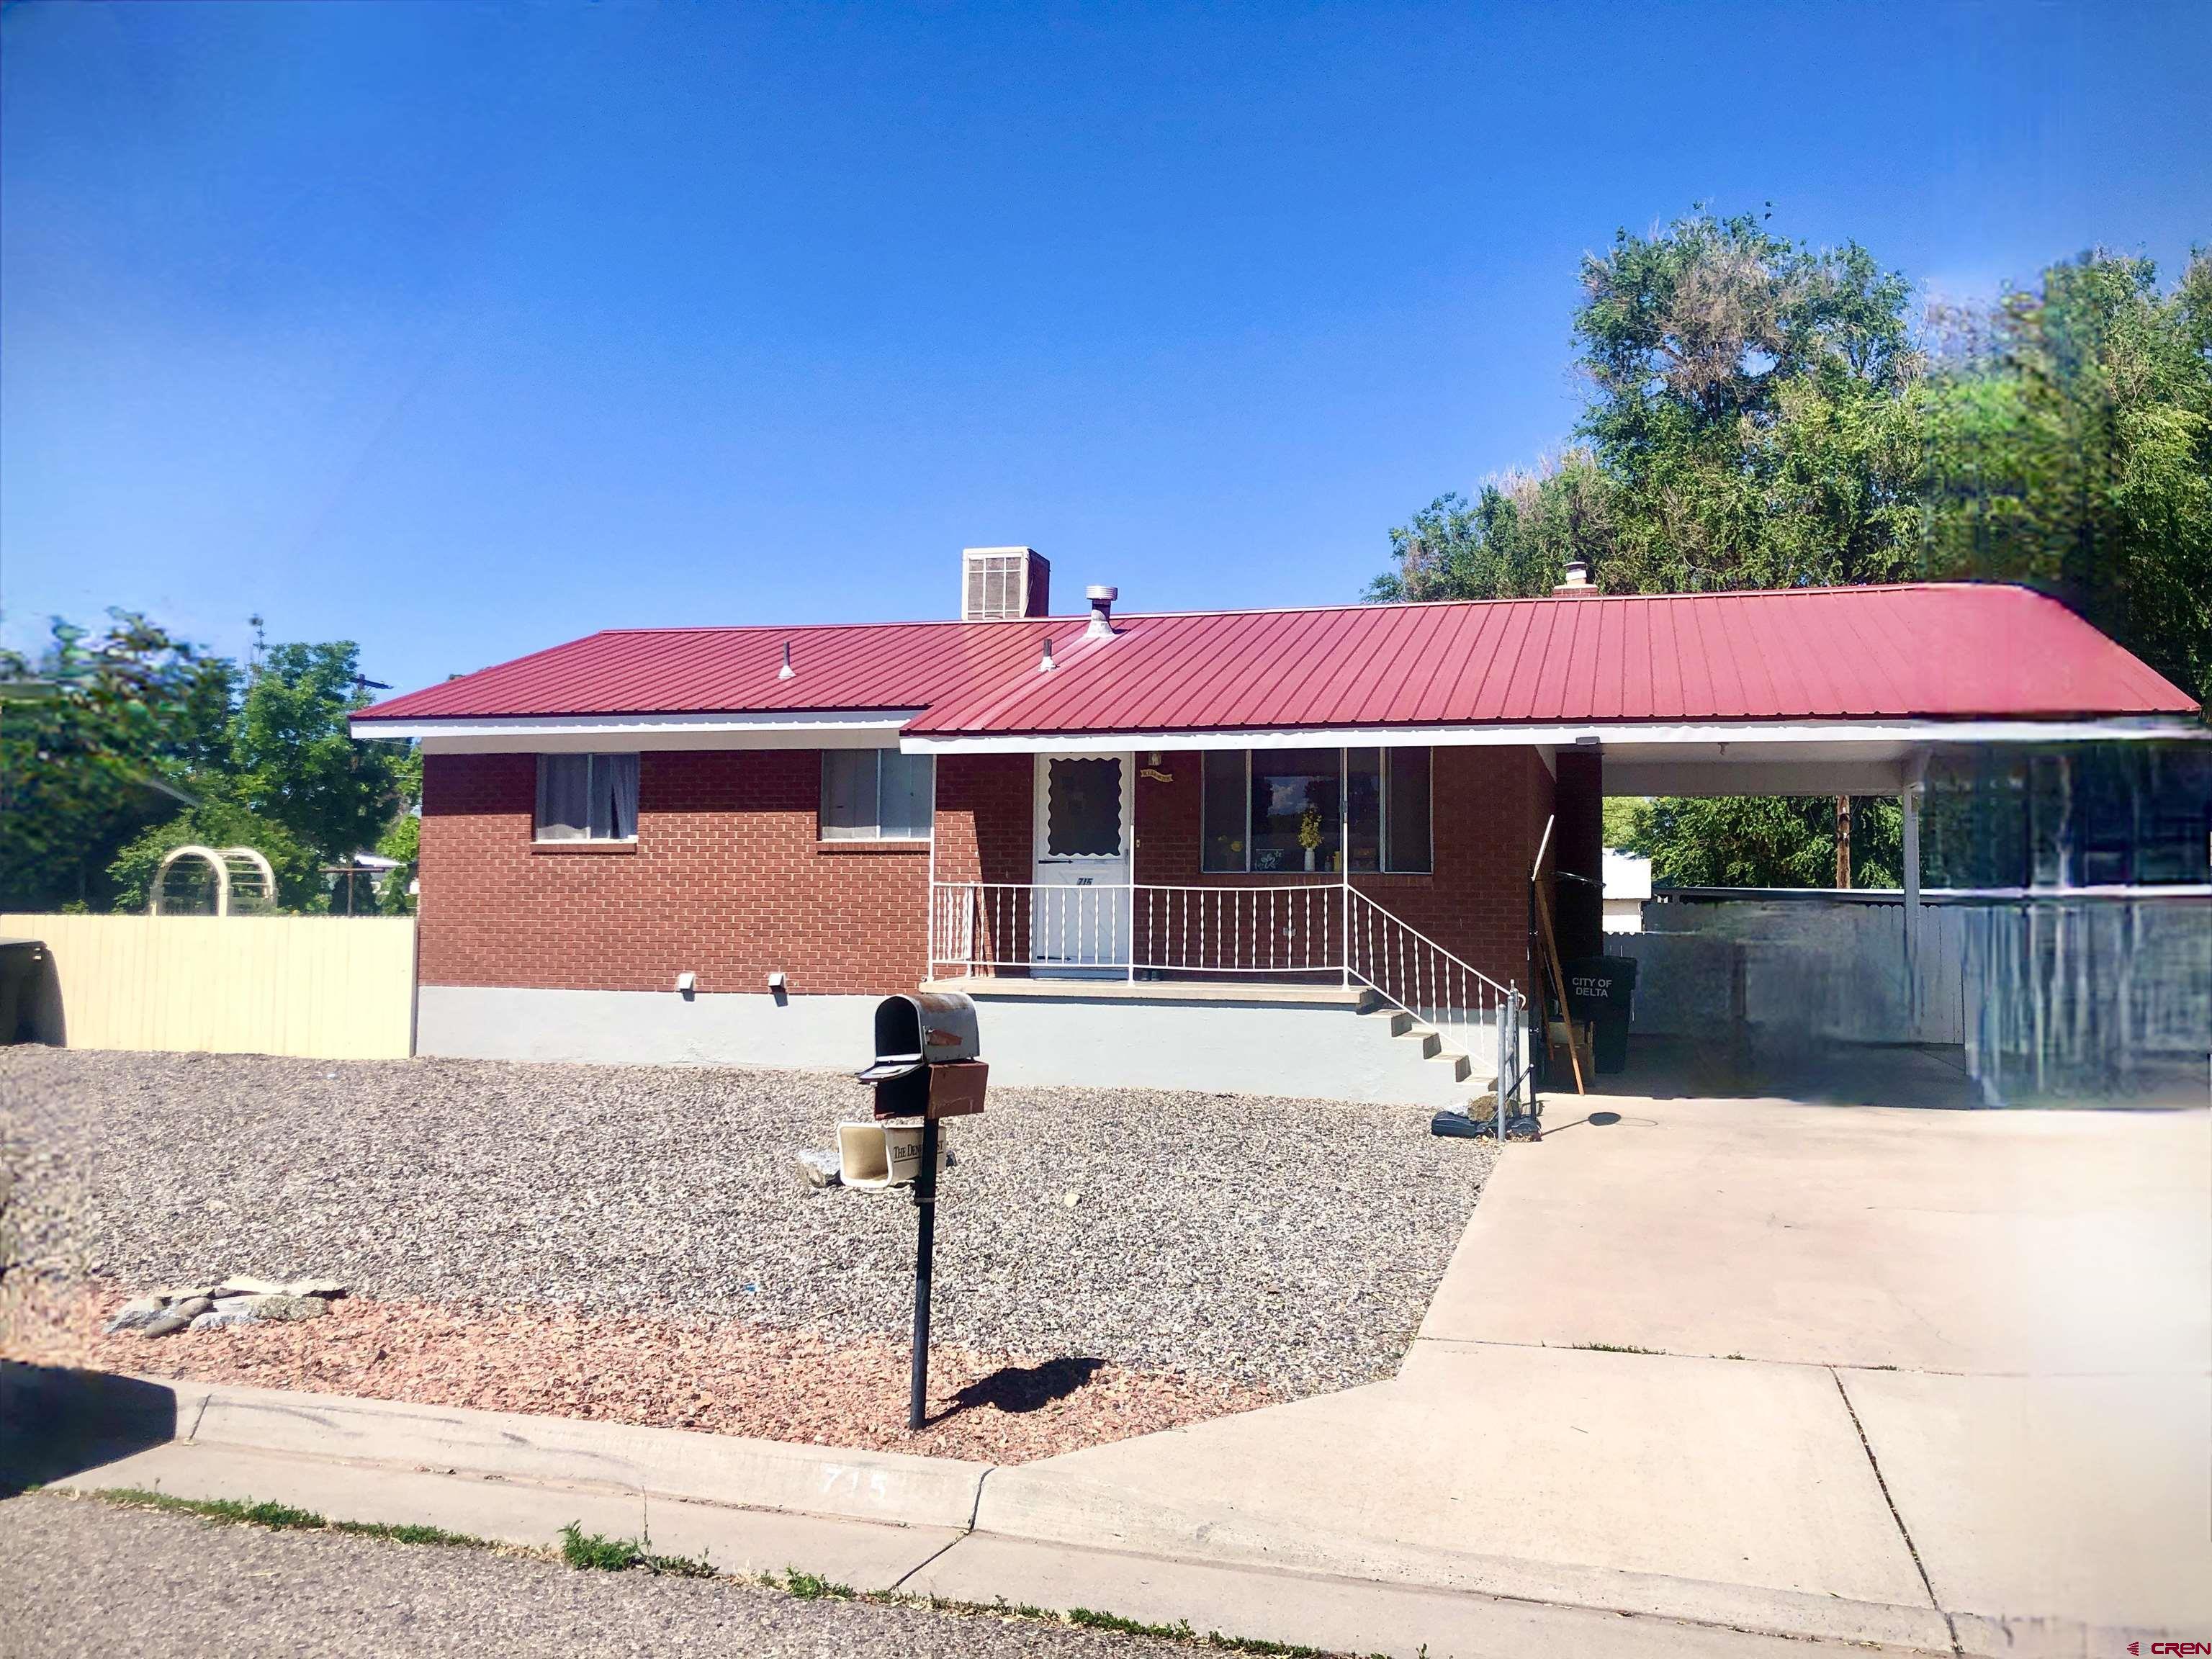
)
(1577, 584)
(1102, 611)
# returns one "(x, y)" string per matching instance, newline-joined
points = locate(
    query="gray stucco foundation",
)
(643, 1027)
(1300, 1049)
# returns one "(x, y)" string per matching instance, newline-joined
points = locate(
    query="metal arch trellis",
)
(244, 881)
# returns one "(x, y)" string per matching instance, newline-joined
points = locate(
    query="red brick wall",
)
(726, 880)
(984, 817)
(1488, 807)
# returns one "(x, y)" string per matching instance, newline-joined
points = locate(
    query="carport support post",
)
(924, 1242)
(1909, 807)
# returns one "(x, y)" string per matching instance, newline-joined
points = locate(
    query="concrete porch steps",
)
(1430, 1043)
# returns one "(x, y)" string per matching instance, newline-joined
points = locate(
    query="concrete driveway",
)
(1988, 1242)
(1941, 1380)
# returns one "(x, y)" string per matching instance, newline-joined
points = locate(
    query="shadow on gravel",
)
(55, 1421)
(1025, 1388)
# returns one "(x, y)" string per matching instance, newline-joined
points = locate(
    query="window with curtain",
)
(1300, 810)
(876, 794)
(586, 798)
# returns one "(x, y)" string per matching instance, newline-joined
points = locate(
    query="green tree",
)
(1752, 423)
(2068, 438)
(295, 759)
(403, 838)
(1621, 820)
(1761, 415)
(104, 737)
(1767, 840)
(1513, 542)
(1746, 401)
(100, 734)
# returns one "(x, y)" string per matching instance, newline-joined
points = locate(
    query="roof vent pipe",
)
(1047, 665)
(1102, 611)
(784, 673)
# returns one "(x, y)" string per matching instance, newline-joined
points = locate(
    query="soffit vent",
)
(1004, 582)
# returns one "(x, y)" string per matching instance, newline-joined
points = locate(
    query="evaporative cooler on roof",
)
(1004, 582)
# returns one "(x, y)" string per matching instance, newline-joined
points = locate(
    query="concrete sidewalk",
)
(875, 1521)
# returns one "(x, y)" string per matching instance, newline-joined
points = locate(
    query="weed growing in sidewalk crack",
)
(1613, 1347)
(810, 1587)
(594, 1552)
(281, 1517)
(1180, 1631)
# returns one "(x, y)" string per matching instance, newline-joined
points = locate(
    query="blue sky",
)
(460, 331)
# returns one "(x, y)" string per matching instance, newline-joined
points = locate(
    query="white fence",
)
(1832, 966)
(2107, 996)
(2082, 994)
(334, 987)
(1414, 973)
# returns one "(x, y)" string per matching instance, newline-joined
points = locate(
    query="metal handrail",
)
(1419, 976)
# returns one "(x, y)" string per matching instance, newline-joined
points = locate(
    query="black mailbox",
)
(927, 1043)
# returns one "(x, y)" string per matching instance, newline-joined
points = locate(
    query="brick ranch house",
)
(1276, 851)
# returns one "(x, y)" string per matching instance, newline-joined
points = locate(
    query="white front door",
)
(1079, 909)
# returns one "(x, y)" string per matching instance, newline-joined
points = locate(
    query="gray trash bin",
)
(22, 962)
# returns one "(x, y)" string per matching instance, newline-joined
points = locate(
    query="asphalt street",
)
(81, 1576)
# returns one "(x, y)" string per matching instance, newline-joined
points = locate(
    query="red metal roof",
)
(1930, 651)
(666, 671)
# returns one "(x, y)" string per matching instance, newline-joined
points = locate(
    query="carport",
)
(1868, 694)
(1909, 967)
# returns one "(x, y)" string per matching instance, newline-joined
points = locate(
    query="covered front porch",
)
(1382, 877)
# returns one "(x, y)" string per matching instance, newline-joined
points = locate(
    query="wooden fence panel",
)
(329, 987)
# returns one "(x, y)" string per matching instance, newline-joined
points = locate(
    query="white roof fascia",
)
(1618, 737)
(865, 728)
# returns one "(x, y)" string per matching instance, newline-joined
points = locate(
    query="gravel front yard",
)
(1274, 1247)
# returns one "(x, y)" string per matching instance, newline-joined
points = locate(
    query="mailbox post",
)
(926, 1066)
(925, 1257)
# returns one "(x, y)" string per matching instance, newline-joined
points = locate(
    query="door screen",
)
(1083, 809)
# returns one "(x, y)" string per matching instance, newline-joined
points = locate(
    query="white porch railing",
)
(990, 927)
(1312, 932)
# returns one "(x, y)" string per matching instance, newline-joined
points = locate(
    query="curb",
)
(890, 1520)
(1039, 1504)
(884, 1488)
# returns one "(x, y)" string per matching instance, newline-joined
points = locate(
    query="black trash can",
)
(20, 962)
(1603, 990)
